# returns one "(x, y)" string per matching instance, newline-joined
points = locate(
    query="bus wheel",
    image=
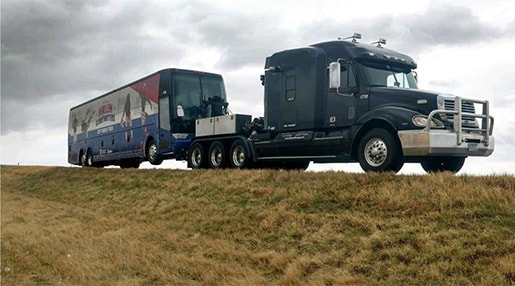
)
(442, 164)
(196, 156)
(152, 156)
(89, 159)
(217, 155)
(239, 155)
(378, 151)
(82, 159)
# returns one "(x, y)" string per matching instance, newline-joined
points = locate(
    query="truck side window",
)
(348, 79)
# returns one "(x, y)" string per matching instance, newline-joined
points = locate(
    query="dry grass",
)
(146, 227)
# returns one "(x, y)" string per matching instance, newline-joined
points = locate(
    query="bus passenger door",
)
(165, 136)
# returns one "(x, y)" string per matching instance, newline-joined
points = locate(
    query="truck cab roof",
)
(364, 53)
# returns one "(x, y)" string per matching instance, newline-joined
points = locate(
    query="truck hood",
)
(414, 99)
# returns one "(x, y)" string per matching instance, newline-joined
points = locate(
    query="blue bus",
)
(151, 119)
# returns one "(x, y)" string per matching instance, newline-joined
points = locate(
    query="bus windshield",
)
(199, 96)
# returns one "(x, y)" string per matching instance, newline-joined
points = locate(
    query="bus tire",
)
(89, 159)
(151, 153)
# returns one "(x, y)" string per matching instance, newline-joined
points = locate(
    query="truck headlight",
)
(421, 121)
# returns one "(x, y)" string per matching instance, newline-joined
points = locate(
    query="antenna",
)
(381, 41)
(353, 37)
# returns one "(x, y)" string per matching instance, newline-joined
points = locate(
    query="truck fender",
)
(388, 117)
(397, 117)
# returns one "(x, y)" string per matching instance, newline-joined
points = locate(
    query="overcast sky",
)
(57, 54)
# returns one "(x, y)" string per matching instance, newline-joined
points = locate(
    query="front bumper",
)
(444, 143)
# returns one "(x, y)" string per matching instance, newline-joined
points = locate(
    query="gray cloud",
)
(439, 25)
(62, 46)
(52, 50)
(241, 38)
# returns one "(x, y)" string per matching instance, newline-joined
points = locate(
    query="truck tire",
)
(239, 155)
(216, 157)
(442, 164)
(196, 157)
(379, 151)
(151, 153)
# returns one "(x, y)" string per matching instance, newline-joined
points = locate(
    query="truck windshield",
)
(385, 75)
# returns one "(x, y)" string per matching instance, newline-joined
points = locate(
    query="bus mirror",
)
(415, 75)
(180, 111)
(334, 75)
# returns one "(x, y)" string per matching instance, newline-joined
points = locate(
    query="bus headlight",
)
(421, 121)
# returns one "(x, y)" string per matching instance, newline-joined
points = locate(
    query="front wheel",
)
(152, 155)
(379, 151)
(442, 164)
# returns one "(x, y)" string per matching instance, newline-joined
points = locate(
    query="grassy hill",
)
(257, 227)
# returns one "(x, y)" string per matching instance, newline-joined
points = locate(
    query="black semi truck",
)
(336, 101)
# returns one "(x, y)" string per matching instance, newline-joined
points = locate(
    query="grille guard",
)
(487, 121)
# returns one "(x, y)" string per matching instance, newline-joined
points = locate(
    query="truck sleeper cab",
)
(341, 101)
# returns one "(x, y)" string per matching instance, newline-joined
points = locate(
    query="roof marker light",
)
(353, 37)
(381, 41)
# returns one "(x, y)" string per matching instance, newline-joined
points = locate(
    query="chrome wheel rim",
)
(238, 156)
(83, 159)
(216, 157)
(152, 152)
(196, 157)
(376, 152)
(89, 159)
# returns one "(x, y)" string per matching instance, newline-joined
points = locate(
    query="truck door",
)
(342, 105)
(165, 136)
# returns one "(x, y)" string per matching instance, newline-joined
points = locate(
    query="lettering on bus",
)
(105, 129)
(105, 114)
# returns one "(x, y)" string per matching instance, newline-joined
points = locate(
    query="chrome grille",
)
(466, 107)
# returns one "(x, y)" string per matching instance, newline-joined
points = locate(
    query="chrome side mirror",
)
(334, 75)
